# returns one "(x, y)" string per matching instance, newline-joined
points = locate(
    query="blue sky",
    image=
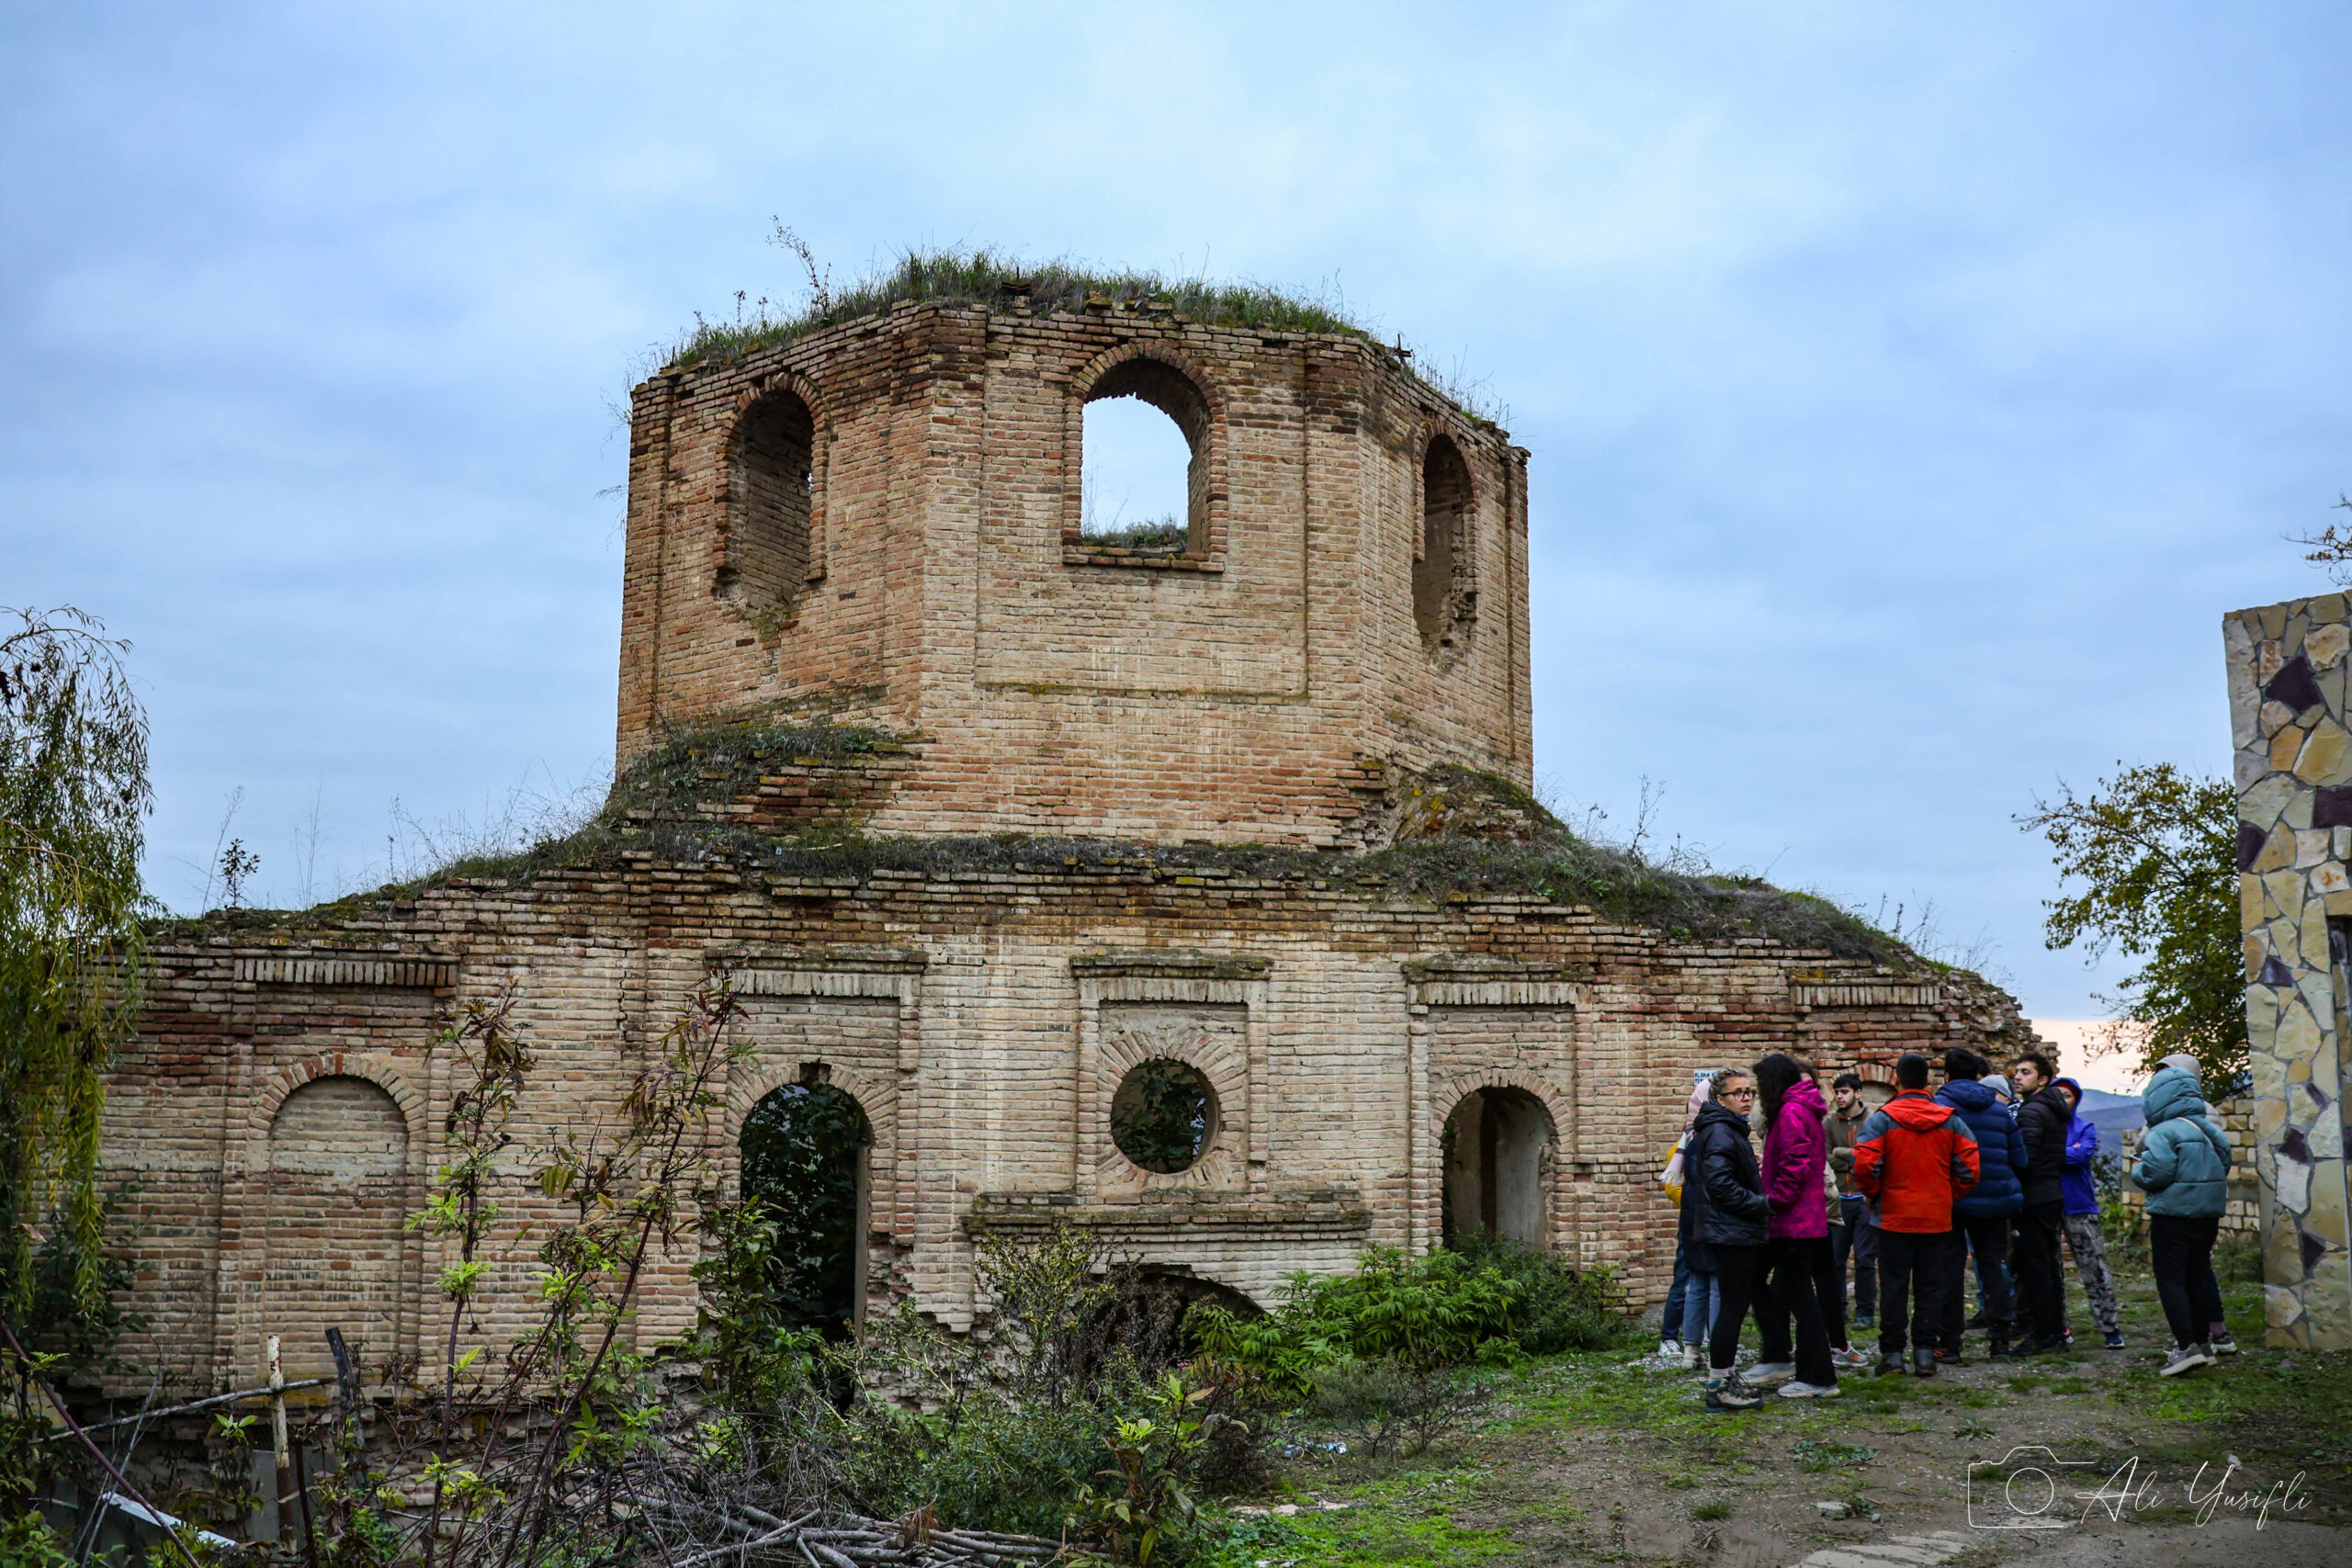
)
(1911, 389)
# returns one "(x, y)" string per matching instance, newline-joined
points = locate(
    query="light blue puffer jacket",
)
(2184, 1155)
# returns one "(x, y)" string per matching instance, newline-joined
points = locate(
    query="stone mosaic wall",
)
(2287, 678)
(2238, 1117)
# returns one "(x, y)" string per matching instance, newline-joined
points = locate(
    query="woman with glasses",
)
(1728, 1214)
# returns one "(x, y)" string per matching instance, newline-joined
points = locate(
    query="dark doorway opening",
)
(804, 1161)
(1497, 1148)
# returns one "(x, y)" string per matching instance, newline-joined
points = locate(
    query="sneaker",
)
(2115, 1339)
(2000, 1352)
(1951, 1358)
(1977, 1322)
(1890, 1364)
(1670, 1350)
(2221, 1344)
(1728, 1393)
(2185, 1358)
(1801, 1389)
(1770, 1374)
(1691, 1354)
(1849, 1357)
(2044, 1344)
(1864, 1322)
(1923, 1362)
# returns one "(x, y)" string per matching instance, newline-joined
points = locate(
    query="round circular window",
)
(1163, 1116)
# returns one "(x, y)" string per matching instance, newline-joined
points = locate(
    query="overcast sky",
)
(1911, 389)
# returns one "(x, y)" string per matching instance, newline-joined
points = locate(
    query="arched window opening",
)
(336, 1195)
(1497, 1146)
(770, 479)
(804, 1162)
(1445, 508)
(1145, 441)
(1163, 1116)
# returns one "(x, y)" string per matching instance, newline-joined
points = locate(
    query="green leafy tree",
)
(73, 796)
(2153, 851)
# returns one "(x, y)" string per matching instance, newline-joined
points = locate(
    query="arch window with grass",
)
(1144, 442)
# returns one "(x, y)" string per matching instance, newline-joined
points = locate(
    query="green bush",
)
(1554, 1306)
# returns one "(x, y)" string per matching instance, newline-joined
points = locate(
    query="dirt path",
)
(1593, 1460)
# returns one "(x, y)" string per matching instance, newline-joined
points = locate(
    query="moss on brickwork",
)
(982, 277)
(1465, 835)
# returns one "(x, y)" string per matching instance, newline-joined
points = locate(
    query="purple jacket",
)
(2082, 1146)
(1795, 1150)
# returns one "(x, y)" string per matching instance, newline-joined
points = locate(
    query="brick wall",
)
(978, 1016)
(943, 588)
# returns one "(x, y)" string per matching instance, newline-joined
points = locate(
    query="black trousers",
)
(1797, 1275)
(2040, 1274)
(1917, 1268)
(1861, 1241)
(1739, 1269)
(2180, 1254)
(1991, 1239)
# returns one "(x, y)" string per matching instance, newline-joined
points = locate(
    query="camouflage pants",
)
(2090, 1262)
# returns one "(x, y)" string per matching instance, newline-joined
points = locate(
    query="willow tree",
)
(73, 796)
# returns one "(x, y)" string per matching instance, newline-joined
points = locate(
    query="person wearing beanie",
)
(1981, 1219)
(1858, 1232)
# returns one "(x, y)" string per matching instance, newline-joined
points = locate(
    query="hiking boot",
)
(2185, 1358)
(1800, 1389)
(2044, 1344)
(1949, 1357)
(1770, 1374)
(1923, 1362)
(1865, 1322)
(2115, 1339)
(1890, 1364)
(1728, 1393)
(2000, 1352)
(2222, 1344)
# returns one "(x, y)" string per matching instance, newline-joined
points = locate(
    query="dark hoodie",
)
(2000, 1191)
(2041, 1122)
(1724, 1191)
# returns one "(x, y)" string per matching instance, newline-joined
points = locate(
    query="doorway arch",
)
(1498, 1148)
(806, 1151)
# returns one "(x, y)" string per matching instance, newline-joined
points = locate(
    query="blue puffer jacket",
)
(2184, 1155)
(2000, 1191)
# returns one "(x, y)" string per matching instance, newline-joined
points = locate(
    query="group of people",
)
(1994, 1167)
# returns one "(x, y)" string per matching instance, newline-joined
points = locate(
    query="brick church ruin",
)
(988, 819)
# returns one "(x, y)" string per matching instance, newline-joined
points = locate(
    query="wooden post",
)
(277, 1438)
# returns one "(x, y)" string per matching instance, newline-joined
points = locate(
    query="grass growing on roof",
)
(979, 277)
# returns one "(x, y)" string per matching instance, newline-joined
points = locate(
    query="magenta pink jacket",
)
(1795, 1149)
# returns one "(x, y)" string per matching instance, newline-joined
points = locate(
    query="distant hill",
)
(2112, 1115)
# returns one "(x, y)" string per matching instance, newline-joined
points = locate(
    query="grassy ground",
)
(1587, 1459)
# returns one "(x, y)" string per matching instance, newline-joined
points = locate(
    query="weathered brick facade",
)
(1277, 681)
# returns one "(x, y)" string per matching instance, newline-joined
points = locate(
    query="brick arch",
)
(381, 1071)
(1204, 431)
(1557, 1111)
(1550, 1221)
(1083, 384)
(1219, 1059)
(878, 1101)
(253, 1311)
(820, 438)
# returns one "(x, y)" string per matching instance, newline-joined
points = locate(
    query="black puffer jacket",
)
(1723, 1190)
(2041, 1122)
